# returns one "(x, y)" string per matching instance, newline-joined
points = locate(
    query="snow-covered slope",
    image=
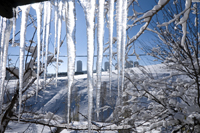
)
(54, 99)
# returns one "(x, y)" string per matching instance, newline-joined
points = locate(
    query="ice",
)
(14, 26)
(3, 28)
(124, 22)
(38, 8)
(2, 38)
(1, 19)
(183, 21)
(7, 26)
(119, 38)
(44, 31)
(55, 25)
(70, 27)
(59, 36)
(100, 33)
(25, 10)
(89, 9)
(111, 12)
(48, 22)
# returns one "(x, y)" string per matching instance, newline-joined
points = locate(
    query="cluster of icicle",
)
(65, 10)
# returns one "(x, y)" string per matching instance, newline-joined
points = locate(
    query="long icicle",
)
(100, 33)
(44, 33)
(14, 26)
(5, 54)
(25, 10)
(55, 25)
(111, 12)
(47, 39)
(59, 36)
(38, 8)
(90, 58)
(119, 36)
(124, 21)
(70, 25)
(1, 50)
(89, 10)
(4, 46)
(2, 39)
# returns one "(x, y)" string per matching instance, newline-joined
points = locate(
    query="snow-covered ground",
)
(54, 99)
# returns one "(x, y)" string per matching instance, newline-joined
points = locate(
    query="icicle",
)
(183, 21)
(59, 36)
(100, 33)
(38, 8)
(48, 23)
(17, 11)
(44, 32)
(7, 25)
(2, 38)
(14, 26)
(5, 53)
(55, 25)
(70, 27)
(1, 19)
(89, 9)
(124, 21)
(119, 33)
(111, 11)
(25, 10)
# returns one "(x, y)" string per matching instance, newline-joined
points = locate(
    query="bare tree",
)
(168, 101)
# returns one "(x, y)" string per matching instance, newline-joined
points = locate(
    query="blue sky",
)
(81, 39)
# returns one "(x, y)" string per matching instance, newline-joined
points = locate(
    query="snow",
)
(100, 35)
(25, 10)
(70, 27)
(53, 100)
(183, 21)
(38, 8)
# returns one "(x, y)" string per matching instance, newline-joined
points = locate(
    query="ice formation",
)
(25, 10)
(124, 22)
(38, 8)
(119, 40)
(55, 25)
(89, 9)
(100, 35)
(59, 36)
(70, 27)
(14, 26)
(111, 13)
(47, 34)
(7, 28)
